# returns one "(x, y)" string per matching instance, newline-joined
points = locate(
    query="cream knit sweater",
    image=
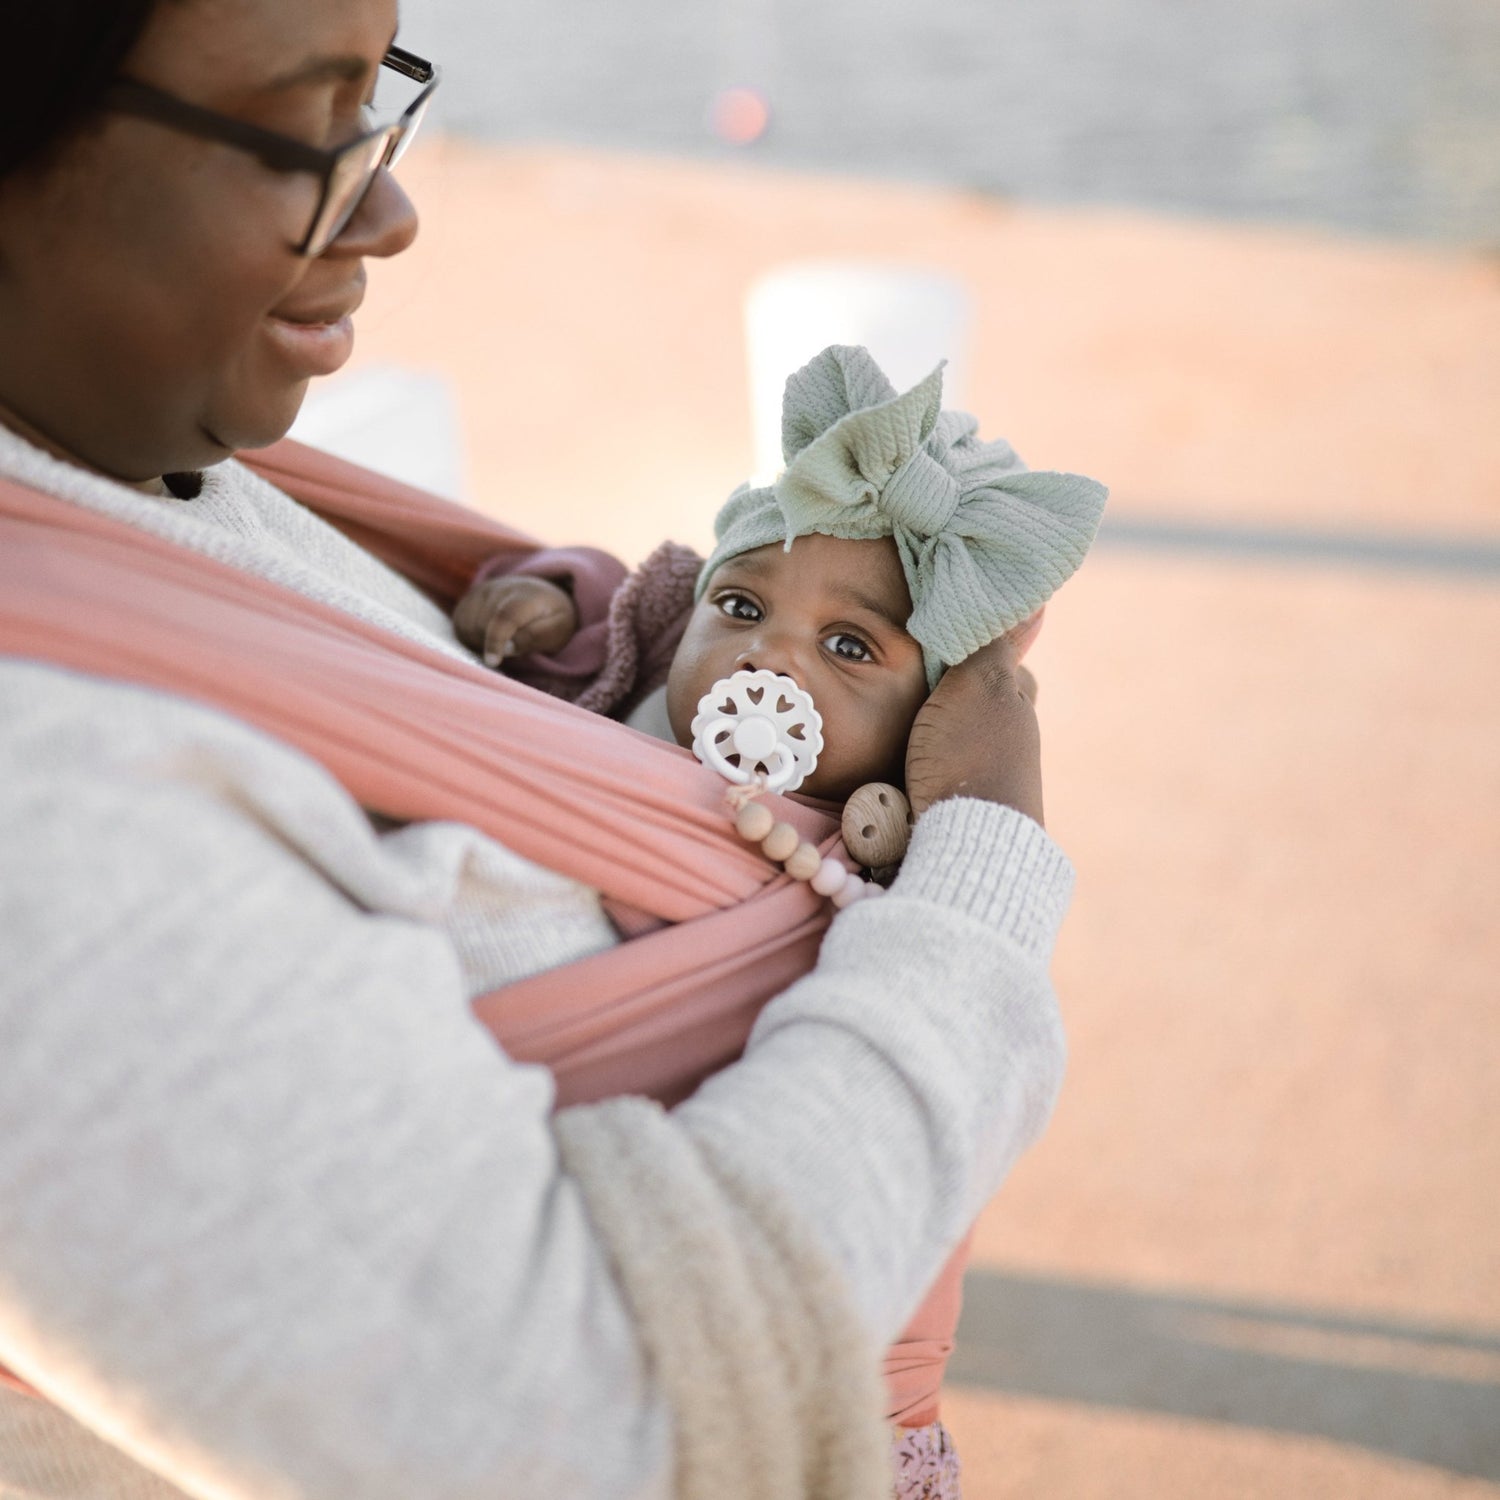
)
(280, 1220)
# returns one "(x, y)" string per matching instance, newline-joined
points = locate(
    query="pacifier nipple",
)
(758, 723)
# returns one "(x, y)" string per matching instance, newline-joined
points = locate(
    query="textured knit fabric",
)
(733, 1266)
(282, 1221)
(647, 616)
(984, 542)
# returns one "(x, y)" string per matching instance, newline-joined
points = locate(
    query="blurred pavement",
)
(1258, 1253)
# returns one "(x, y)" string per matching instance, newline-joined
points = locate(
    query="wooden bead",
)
(877, 824)
(829, 876)
(804, 863)
(853, 889)
(780, 842)
(754, 821)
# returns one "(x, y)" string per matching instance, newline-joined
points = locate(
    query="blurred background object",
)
(403, 422)
(911, 320)
(1240, 262)
(1380, 116)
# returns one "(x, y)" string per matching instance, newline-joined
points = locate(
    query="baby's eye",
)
(738, 607)
(850, 647)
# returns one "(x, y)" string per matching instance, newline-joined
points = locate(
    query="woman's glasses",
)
(345, 175)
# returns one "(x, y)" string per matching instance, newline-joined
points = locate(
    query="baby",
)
(915, 544)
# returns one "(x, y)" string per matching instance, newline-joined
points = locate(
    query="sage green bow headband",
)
(984, 541)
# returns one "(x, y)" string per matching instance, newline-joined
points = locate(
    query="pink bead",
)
(754, 821)
(854, 889)
(805, 862)
(829, 877)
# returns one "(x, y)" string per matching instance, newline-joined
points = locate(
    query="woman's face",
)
(153, 317)
(830, 614)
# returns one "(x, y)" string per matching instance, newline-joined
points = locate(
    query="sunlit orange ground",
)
(1280, 783)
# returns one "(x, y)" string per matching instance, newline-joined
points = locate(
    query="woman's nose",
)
(385, 223)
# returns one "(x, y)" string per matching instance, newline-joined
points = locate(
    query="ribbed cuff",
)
(993, 863)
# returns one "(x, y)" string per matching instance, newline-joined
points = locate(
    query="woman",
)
(279, 1218)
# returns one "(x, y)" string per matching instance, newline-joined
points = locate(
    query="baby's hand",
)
(505, 617)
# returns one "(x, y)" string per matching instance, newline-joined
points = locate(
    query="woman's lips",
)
(313, 348)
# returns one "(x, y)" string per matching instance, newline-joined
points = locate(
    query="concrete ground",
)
(1258, 1253)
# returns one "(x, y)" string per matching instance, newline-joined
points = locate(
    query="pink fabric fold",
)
(413, 733)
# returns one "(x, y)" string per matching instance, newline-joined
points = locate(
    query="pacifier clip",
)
(761, 732)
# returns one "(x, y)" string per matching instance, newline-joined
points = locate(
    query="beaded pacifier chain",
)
(760, 731)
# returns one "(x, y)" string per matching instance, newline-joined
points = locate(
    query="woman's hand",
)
(977, 735)
(505, 617)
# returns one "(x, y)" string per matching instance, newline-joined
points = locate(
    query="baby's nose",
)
(782, 644)
(779, 662)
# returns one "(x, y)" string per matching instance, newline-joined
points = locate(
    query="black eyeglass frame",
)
(281, 153)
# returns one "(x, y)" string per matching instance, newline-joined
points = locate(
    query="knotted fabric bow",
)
(984, 541)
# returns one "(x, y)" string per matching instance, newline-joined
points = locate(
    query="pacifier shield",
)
(758, 723)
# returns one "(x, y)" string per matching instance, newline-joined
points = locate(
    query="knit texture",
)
(765, 1354)
(46, 1455)
(647, 617)
(984, 542)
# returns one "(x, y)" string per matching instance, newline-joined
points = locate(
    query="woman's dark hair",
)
(63, 54)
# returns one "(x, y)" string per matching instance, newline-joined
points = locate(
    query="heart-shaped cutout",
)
(784, 705)
(755, 694)
(729, 707)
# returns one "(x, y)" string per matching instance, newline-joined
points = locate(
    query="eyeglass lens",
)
(352, 176)
(354, 172)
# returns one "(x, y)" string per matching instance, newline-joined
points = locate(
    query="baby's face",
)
(830, 614)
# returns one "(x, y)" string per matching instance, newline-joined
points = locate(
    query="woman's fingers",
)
(977, 735)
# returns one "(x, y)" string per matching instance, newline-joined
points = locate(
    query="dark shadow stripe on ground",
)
(1425, 1393)
(1474, 556)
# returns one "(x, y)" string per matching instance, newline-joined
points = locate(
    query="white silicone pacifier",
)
(758, 722)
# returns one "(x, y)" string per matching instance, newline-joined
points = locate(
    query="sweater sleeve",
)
(281, 1220)
(925, 1048)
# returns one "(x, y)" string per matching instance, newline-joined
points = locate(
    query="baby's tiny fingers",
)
(499, 640)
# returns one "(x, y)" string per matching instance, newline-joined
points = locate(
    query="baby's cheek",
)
(888, 744)
(682, 701)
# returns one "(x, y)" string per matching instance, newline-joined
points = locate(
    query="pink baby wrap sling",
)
(413, 733)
